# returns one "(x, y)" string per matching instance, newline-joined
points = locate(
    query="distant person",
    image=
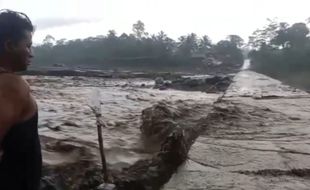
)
(20, 157)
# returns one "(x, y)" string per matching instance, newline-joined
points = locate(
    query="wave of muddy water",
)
(68, 127)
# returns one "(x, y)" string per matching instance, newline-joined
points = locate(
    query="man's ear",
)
(9, 46)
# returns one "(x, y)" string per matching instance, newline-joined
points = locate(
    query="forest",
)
(140, 51)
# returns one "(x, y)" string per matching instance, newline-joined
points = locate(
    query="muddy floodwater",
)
(65, 113)
(257, 134)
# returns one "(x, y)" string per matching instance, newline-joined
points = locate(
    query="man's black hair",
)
(13, 26)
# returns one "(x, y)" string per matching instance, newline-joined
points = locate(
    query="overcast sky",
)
(216, 18)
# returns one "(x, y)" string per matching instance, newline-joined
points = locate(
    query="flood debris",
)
(153, 173)
(209, 84)
(159, 121)
(69, 166)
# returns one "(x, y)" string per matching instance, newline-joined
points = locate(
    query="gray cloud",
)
(46, 23)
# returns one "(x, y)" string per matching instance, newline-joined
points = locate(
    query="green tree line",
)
(140, 51)
(282, 51)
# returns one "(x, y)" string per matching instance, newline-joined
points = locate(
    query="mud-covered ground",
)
(256, 136)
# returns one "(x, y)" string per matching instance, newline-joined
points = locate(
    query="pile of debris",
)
(159, 121)
(161, 124)
(206, 83)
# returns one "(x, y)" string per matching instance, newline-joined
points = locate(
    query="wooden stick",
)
(100, 125)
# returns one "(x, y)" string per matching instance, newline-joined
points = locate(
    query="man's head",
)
(15, 40)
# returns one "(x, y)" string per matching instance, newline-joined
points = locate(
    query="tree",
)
(228, 53)
(235, 39)
(139, 30)
(204, 44)
(187, 45)
(297, 34)
(60, 42)
(111, 34)
(164, 44)
(281, 37)
(264, 36)
(49, 40)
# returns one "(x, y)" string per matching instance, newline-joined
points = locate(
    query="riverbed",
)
(257, 134)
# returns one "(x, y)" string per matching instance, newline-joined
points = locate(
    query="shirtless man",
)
(20, 161)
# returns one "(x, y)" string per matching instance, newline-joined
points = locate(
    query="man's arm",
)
(14, 95)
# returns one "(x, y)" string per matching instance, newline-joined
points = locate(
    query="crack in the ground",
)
(252, 139)
(305, 172)
(221, 165)
(280, 97)
(204, 164)
(263, 150)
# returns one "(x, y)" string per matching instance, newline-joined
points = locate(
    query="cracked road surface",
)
(256, 137)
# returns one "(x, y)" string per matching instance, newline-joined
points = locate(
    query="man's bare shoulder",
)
(13, 87)
(14, 97)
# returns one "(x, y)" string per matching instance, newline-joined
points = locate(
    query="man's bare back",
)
(21, 159)
(17, 104)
